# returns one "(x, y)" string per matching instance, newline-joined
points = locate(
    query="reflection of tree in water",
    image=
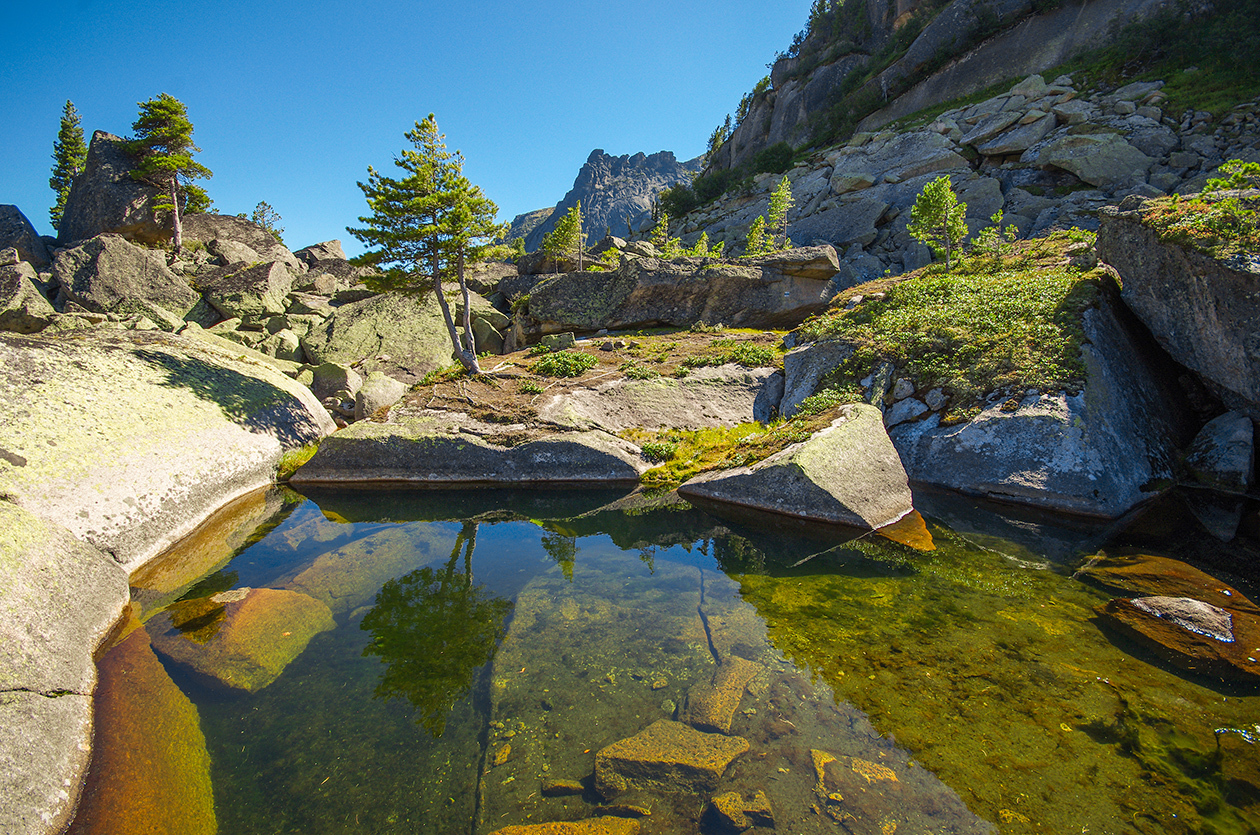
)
(736, 555)
(434, 630)
(562, 549)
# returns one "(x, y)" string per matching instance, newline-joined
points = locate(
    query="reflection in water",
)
(434, 630)
(562, 549)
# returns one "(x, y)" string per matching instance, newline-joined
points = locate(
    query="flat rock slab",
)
(242, 638)
(44, 745)
(711, 704)
(445, 448)
(1191, 634)
(591, 826)
(152, 769)
(723, 396)
(666, 757)
(848, 474)
(78, 450)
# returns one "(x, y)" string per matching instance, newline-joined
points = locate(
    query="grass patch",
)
(292, 460)
(1217, 225)
(564, 364)
(725, 351)
(637, 371)
(995, 323)
(529, 387)
(443, 375)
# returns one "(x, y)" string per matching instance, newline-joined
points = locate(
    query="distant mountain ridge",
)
(616, 194)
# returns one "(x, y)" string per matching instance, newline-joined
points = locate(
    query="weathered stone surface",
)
(328, 250)
(214, 427)
(666, 757)
(804, 368)
(250, 293)
(330, 377)
(242, 638)
(108, 274)
(1089, 453)
(1158, 576)
(484, 277)
(209, 227)
(105, 199)
(283, 345)
(232, 252)
(989, 127)
(711, 704)
(44, 745)
(1201, 310)
(769, 397)
(403, 336)
(902, 157)
(726, 812)
(1100, 159)
(377, 392)
(1191, 634)
(723, 396)
(817, 262)
(17, 232)
(23, 309)
(433, 449)
(1223, 453)
(848, 473)
(1019, 138)
(151, 770)
(607, 825)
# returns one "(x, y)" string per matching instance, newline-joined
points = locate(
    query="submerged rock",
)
(1223, 453)
(848, 473)
(1158, 576)
(666, 757)
(1191, 634)
(607, 825)
(242, 638)
(711, 705)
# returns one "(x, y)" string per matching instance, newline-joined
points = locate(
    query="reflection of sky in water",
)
(989, 673)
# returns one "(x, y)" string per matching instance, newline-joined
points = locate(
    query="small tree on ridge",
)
(69, 156)
(938, 219)
(163, 142)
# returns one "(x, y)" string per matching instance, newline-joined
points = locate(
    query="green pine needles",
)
(938, 219)
(163, 142)
(426, 224)
(566, 238)
(69, 156)
(767, 236)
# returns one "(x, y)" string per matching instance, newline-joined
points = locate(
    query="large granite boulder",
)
(211, 227)
(441, 448)
(17, 232)
(23, 309)
(1096, 452)
(377, 392)
(848, 473)
(108, 274)
(105, 199)
(1202, 310)
(129, 481)
(898, 158)
(59, 598)
(328, 250)
(1223, 454)
(645, 292)
(248, 292)
(1100, 159)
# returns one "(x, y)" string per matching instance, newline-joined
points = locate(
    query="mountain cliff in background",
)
(616, 194)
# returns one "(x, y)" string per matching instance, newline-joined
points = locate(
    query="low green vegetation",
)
(530, 387)
(724, 351)
(564, 364)
(292, 460)
(1219, 225)
(997, 322)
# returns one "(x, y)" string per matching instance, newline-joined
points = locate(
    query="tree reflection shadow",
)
(434, 630)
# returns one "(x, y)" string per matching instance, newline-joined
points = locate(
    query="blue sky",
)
(291, 102)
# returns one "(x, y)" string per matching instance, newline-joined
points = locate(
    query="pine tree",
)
(938, 219)
(756, 244)
(69, 156)
(780, 202)
(163, 142)
(566, 238)
(426, 225)
(269, 219)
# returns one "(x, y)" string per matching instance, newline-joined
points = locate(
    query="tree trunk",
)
(467, 359)
(178, 237)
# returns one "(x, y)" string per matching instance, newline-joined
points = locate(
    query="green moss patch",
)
(1217, 226)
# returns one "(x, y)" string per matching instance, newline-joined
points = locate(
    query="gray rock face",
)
(377, 392)
(1223, 453)
(22, 308)
(330, 378)
(1201, 310)
(250, 293)
(644, 291)
(104, 198)
(804, 368)
(1090, 453)
(17, 232)
(328, 250)
(131, 482)
(616, 193)
(441, 448)
(108, 274)
(1102, 159)
(211, 227)
(848, 473)
(44, 749)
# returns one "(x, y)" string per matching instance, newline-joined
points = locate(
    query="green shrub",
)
(825, 399)
(638, 371)
(741, 353)
(565, 364)
(659, 451)
(776, 159)
(539, 350)
(530, 387)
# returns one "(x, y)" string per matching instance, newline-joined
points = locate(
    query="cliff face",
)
(616, 193)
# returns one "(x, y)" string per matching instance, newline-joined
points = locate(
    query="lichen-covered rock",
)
(377, 392)
(848, 473)
(242, 638)
(105, 199)
(250, 293)
(151, 770)
(23, 309)
(213, 427)
(17, 232)
(210, 227)
(711, 704)
(108, 274)
(1101, 159)
(666, 757)
(44, 745)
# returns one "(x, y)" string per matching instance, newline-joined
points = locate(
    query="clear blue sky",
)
(291, 102)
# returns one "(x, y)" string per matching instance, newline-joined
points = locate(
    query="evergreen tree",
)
(163, 142)
(756, 244)
(780, 202)
(660, 232)
(69, 156)
(426, 225)
(269, 219)
(938, 219)
(566, 237)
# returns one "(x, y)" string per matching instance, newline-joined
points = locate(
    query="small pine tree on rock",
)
(566, 238)
(780, 202)
(163, 142)
(69, 156)
(938, 219)
(755, 244)
(269, 219)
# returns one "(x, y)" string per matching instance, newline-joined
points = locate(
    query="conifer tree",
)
(427, 224)
(69, 156)
(755, 244)
(163, 142)
(780, 202)
(938, 219)
(566, 237)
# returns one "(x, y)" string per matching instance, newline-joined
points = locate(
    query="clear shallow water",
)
(477, 659)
